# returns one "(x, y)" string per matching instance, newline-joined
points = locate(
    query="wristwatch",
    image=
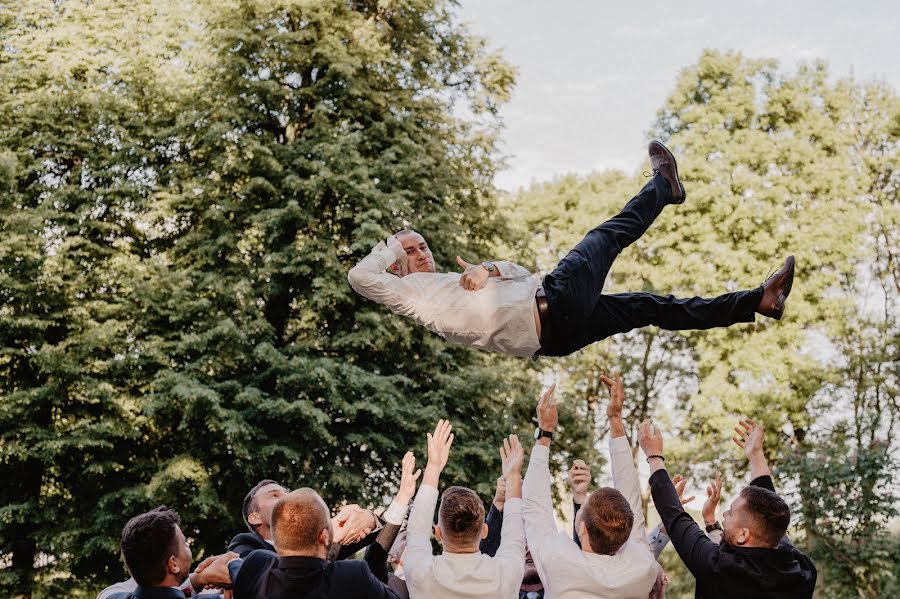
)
(489, 266)
(714, 526)
(540, 433)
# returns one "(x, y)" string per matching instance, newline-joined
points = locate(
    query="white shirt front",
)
(462, 575)
(568, 572)
(499, 317)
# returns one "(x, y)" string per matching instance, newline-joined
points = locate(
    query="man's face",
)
(184, 556)
(266, 498)
(418, 256)
(735, 523)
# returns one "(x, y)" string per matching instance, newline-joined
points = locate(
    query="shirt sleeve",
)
(418, 557)
(512, 545)
(491, 542)
(696, 550)
(511, 270)
(370, 279)
(537, 504)
(625, 480)
(657, 540)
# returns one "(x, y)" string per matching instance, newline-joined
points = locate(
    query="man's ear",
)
(742, 537)
(484, 530)
(437, 533)
(323, 537)
(254, 519)
(172, 566)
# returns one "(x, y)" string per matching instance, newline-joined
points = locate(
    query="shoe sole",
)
(782, 297)
(677, 178)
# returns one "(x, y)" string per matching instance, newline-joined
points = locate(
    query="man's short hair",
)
(297, 520)
(250, 504)
(148, 540)
(608, 519)
(461, 516)
(770, 514)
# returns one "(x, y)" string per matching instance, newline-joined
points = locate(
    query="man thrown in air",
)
(501, 307)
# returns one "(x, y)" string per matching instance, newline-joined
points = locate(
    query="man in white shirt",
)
(462, 571)
(614, 559)
(499, 306)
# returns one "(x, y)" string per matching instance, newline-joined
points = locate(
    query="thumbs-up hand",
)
(474, 276)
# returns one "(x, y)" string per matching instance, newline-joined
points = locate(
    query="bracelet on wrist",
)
(650, 457)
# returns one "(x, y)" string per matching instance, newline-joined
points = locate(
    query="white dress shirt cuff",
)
(395, 513)
(619, 444)
(541, 452)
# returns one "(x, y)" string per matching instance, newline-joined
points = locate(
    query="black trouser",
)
(581, 315)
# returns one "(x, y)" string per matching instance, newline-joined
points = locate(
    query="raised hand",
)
(474, 276)
(680, 483)
(651, 441)
(439, 444)
(713, 494)
(749, 437)
(579, 481)
(500, 494)
(408, 477)
(616, 395)
(546, 410)
(512, 456)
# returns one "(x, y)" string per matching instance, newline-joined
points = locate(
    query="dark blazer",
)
(721, 570)
(150, 593)
(266, 575)
(245, 542)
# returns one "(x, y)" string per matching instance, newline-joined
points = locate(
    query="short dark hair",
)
(461, 515)
(250, 504)
(297, 520)
(608, 519)
(148, 540)
(770, 514)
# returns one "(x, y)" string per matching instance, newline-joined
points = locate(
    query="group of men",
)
(295, 548)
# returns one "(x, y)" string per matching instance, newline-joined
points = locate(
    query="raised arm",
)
(537, 504)
(370, 278)
(695, 549)
(750, 435)
(494, 520)
(579, 480)
(421, 517)
(512, 546)
(624, 472)
(377, 553)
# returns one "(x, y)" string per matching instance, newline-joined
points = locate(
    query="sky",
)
(592, 73)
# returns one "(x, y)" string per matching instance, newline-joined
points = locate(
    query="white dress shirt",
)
(567, 571)
(462, 575)
(499, 317)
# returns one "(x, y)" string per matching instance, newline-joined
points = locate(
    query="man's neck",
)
(319, 553)
(264, 532)
(462, 550)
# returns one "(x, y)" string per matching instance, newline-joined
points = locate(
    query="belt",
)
(543, 306)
